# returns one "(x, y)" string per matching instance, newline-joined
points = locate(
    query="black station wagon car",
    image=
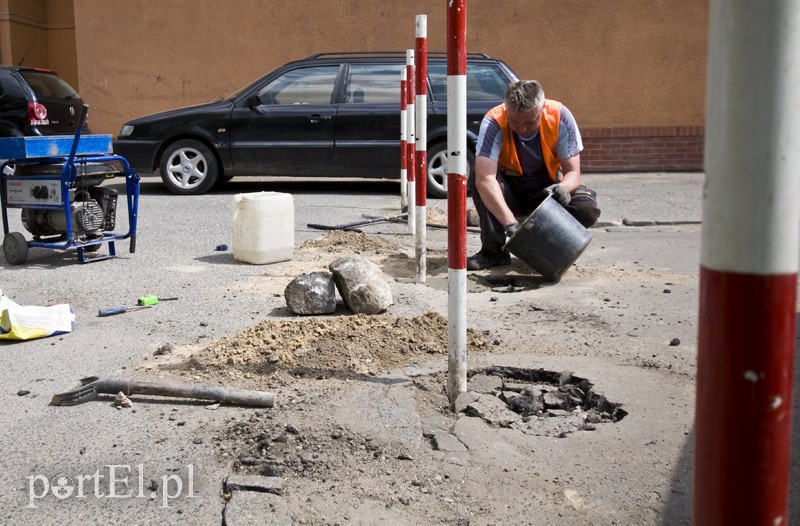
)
(331, 114)
(36, 101)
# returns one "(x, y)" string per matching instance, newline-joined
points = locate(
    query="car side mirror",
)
(253, 101)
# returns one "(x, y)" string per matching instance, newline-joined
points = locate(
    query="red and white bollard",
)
(411, 145)
(403, 139)
(457, 171)
(421, 131)
(748, 277)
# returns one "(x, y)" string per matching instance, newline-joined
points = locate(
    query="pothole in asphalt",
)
(537, 401)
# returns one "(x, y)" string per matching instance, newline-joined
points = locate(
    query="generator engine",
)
(93, 209)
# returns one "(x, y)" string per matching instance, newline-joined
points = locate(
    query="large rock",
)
(362, 285)
(312, 293)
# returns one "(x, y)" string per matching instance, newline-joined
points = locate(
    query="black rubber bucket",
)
(550, 240)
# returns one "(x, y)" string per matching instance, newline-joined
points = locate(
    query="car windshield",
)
(49, 86)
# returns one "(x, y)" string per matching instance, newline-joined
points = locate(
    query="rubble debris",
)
(343, 344)
(23, 392)
(311, 293)
(121, 401)
(674, 342)
(362, 285)
(164, 348)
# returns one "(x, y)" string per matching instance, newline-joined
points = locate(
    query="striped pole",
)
(403, 139)
(748, 277)
(410, 115)
(421, 129)
(456, 198)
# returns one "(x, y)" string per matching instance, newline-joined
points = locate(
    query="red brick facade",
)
(642, 149)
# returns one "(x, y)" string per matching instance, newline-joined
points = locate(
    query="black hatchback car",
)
(331, 114)
(36, 101)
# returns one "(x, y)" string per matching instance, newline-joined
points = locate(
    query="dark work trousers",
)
(523, 201)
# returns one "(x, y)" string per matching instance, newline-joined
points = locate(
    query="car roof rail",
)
(384, 53)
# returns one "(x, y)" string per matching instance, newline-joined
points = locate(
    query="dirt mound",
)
(332, 346)
(344, 241)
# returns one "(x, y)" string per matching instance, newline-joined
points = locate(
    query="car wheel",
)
(437, 169)
(189, 167)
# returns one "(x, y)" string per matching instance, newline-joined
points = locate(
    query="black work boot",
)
(480, 261)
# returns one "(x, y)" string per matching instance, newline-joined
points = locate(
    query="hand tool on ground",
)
(350, 226)
(93, 386)
(149, 299)
(110, 311)
(399, 219)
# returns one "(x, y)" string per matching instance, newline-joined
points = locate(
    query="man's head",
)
(524, 102)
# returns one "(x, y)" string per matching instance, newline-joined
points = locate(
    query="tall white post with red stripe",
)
(457, 171)
(421, 130)
(411, 116)
(748, 279)
(403, 139)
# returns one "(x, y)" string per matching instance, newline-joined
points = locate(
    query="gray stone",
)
(249, 508)
(492, 410)
(448, 443)
(525, 405)
(485, 383)
(463, 400)
(362, 285)
(556, 400)
(311, 293)
(254, 483)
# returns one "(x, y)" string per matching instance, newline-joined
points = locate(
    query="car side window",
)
(312, 85)
(373, 84)
(484, 82)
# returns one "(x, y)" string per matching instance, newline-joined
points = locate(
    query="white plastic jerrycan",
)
(263, 227)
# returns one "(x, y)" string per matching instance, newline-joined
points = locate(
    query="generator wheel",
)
(92, 248)
(15, 248)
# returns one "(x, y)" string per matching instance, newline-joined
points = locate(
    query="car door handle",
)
(316, 119)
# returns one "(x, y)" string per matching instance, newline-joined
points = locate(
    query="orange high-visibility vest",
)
(548, 136)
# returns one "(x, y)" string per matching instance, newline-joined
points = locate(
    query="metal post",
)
(403, 140)
(410, 115)
(457, 197)
(421, 129)
(749, 264)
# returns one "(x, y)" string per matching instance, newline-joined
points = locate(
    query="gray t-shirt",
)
(529, 149)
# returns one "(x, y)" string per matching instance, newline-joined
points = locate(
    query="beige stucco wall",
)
(613, 62)
(45, 29)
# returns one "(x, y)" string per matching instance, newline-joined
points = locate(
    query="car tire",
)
(189, 167)
(436, 182)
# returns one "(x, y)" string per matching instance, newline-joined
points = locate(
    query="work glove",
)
(511, 229)
(559, 193)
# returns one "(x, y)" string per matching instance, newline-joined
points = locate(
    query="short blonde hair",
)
(524, 95)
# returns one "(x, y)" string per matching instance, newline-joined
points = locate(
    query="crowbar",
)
(92, 386)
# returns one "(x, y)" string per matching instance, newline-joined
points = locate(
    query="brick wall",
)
(642, 148)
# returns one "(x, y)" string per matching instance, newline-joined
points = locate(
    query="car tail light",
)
(37, 114)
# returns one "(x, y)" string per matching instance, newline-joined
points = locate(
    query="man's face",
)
(524, 123)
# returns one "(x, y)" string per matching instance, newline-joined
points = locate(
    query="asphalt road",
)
(175, 256)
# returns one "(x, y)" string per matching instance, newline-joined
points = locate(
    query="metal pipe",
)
(457, 168)
(410, 164)
(421, 129)
(749, 264)
(403, 140)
